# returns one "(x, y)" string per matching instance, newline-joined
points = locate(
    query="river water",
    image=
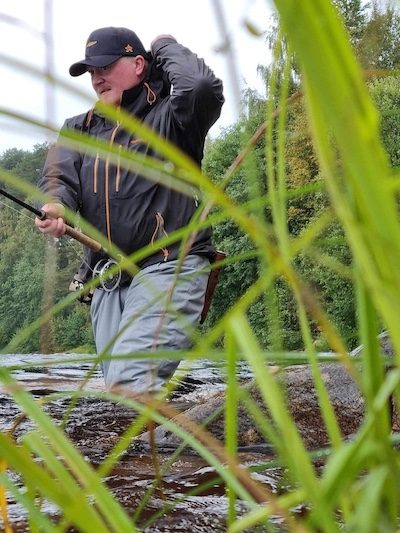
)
(95, 426)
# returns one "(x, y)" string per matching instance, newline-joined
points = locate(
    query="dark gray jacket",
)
(181, 100)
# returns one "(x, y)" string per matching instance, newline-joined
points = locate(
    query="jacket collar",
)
(139, 100)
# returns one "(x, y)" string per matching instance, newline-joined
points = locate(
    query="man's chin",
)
(109, 97)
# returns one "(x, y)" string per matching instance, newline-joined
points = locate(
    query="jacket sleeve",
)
(60, 177)
(197, 97)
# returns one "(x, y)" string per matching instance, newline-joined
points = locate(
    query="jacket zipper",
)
(118, 176)
(106, 185)
(95, 173)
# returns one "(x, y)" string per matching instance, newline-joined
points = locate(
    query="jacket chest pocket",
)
(123, 180)
(114, 176)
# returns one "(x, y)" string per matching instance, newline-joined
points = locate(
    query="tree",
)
(332, 286)
(12, 157)
(22, 256)
(21, 281)
(386, 94)
(355, 18)
(237, 276)
(374, 31)
(378, 47)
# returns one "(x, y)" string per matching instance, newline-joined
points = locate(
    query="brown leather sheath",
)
(212, 283)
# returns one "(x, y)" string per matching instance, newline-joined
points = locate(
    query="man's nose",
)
(97, 78)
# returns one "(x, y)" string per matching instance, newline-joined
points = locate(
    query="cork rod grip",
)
(83, 239)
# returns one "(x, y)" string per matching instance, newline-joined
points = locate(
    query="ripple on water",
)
(95, 427)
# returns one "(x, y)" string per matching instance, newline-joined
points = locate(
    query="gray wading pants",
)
(143, 317)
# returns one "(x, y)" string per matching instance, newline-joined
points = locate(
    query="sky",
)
(195, 23)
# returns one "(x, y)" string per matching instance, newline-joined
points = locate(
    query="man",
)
(173, 92)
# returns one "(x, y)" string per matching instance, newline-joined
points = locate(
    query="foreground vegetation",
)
(309, 218)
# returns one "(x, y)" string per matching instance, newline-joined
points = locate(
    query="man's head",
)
(116, 60)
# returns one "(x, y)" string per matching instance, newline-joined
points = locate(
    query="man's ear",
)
(140, 65)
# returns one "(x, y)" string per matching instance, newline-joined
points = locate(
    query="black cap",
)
(106, 45)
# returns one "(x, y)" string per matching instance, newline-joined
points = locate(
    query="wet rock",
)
(301, 397)
(384, 342)
(388, 350)
(302, 400)
(303, 405)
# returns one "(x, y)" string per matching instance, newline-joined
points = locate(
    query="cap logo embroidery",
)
(91, 43)
(128, 48)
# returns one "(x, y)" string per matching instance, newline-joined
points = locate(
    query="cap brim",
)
(98, 61)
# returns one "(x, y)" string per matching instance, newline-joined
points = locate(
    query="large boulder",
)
(302, 401)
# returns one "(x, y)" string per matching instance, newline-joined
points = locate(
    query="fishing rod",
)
(75, 234)
(108, 281)
(101, 269)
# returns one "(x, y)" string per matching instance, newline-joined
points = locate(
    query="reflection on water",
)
(95, 426)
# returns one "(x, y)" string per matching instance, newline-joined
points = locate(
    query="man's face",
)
(110, 82)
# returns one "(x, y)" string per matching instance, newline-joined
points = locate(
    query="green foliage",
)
(334, 292)
(355, 18)
(333, 288)
(386, 94)
(311, 227)
(25, 164)
(374, 31)
(238, 275)
(378, 47)
(72, 330)
(21, 276)
(22, 268)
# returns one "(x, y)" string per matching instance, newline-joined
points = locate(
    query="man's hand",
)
(163, 36)
(54, 223)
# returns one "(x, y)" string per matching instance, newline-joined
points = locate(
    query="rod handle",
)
(77, 235)
(83, 239)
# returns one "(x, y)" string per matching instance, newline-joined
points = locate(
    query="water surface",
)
(95, 426)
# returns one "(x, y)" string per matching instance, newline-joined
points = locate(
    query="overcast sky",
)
(194, 23)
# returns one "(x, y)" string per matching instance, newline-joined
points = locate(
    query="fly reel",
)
(109, 281)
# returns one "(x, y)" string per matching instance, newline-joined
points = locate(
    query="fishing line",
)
(108, 281)
(16, 210)
(21, 213)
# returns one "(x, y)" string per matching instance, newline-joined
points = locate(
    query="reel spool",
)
(108, 282)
